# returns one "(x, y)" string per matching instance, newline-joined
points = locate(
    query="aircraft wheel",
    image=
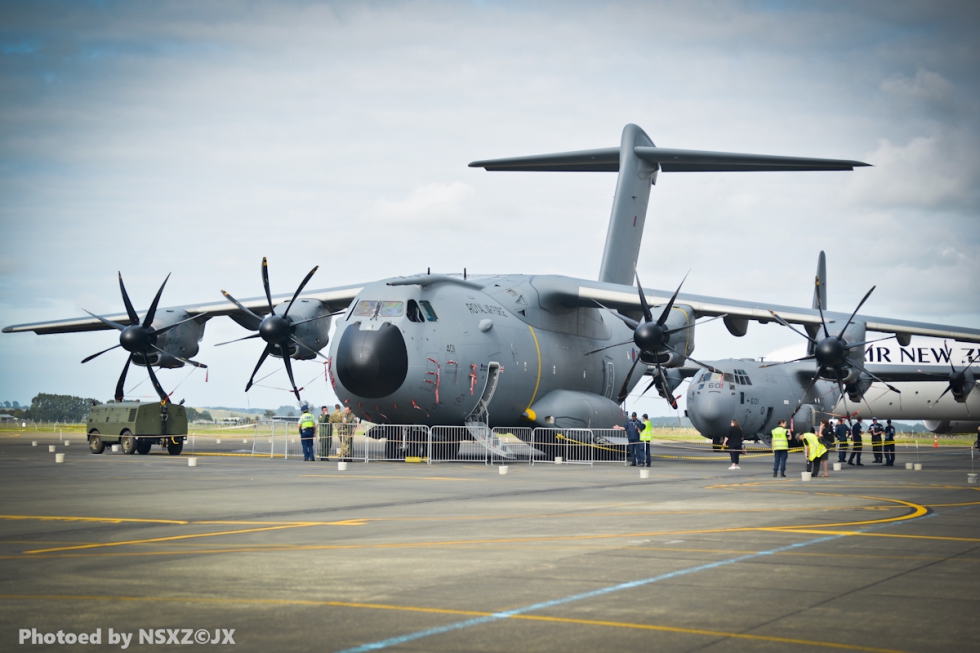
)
(143, 447)
(95, 443)
(174, 448)
(128, 442)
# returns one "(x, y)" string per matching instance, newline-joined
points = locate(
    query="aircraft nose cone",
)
(372, 364)
(715, 412)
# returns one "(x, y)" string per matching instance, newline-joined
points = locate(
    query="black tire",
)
(143, 446)
(128, 442)
(174, 448)
(95, 443)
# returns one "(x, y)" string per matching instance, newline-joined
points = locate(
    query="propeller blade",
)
(152, 312)
(182, 360)
(670, 304)
(120, 395)
(265, 354)
(823, 322)
(851, 319)
(788, 325)
(175, 324)
(164, 398)
(130, 311)
(624, 390)
(297, 342)
(868, 342)
(948, 388)
(813, 382)
(619, 344)
(114, 325)
(795, 360)
(668, 395)
(254, 335)
(890, 387)
(843, 394)
(691, 326)
(302, 285)
(630, 322)
(240, 305)
(284, 350)
(693, 360)
(648, 387)
(265, 281)
(647, 315)
(319, 317)
(100, 353)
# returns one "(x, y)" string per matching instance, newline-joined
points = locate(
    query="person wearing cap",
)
(307, 431)
(889, 445)
(857, 443)
(876, 431)
(841, 432)
(632, 428)
(646, 437)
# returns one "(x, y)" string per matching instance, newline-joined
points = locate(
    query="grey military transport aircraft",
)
(759, 394)
(506, 350)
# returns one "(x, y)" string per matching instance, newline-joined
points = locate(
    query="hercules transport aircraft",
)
(507, 350)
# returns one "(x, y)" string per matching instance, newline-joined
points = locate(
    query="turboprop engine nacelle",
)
(856, 390)
(180, 342)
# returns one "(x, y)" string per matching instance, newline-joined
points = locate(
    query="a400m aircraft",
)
(505, 350)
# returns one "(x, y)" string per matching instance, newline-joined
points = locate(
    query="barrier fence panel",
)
(349, 446)
(607, 448)
(573, 446)
(514, 446)
(459, 443)
(404, 442)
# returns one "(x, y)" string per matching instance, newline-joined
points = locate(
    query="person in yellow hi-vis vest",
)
(307, 426)
(815, 452)
(780, 449)
(646, 437)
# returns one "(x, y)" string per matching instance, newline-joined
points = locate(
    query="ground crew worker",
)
(307, 431)
(889, 445)
(815, 452)
(841, 432)
(780, 449)
(646, 437)
(876, 432)
(858, 442)
(326, 437)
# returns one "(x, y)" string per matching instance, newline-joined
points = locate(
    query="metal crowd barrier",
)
(568, 446)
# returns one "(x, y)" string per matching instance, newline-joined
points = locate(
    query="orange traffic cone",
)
(935, 441)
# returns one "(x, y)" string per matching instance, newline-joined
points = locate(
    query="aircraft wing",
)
(335, 298)
(567, 291)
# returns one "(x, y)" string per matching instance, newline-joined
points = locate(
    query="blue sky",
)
(197, 137)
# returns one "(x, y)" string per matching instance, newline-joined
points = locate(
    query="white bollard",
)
(116, 448)
(34, 443)
(644, 473)
(503, 470)
(971, 479)
(244, 441)
(51, 448)
(806, 476)
(67, 442)
(918, 467)
(192, 461)
(217, 441)
(59, 457)
(559, 460)
(836, 467)
(341, 466)
(908, 465)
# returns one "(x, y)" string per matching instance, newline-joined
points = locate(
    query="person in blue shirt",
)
(858, 441)
(841, 432)
(633, 428)
(889, 444)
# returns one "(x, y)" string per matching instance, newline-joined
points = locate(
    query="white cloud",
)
(925, 86)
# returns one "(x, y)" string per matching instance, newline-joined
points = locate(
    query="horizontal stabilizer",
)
(669, 160)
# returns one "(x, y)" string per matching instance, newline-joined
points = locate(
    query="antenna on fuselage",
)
(638, 161)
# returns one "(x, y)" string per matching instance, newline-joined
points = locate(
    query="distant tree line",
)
(52, 408)
(193, 414)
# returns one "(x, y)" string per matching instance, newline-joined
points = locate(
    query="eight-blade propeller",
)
(961, 382)
(140, 338)
(651, 337)
(277, 330)
(831, 352)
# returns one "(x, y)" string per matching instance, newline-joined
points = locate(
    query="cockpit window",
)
(366, 309)
(391, 309)
(428, 311)
(414, 312)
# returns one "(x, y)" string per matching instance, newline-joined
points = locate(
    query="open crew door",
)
(477, 421)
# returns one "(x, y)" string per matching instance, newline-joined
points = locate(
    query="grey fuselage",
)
(422, 353)
(757, 397)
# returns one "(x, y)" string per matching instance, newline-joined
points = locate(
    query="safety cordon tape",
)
(656, 455)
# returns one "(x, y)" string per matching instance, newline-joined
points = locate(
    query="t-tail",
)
(638, 162)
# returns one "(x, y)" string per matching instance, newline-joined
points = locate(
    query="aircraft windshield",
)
(366, 309)
(391, 309)
(429, 312)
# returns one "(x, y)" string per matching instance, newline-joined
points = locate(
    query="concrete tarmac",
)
(298, 556)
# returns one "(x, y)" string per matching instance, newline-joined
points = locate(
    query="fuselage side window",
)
(428, 311)
(414, 312)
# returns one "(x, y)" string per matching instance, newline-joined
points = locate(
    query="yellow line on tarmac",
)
(109, 520)
(172, 538)
(895, 535)
(468, 613)
(386, 477)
